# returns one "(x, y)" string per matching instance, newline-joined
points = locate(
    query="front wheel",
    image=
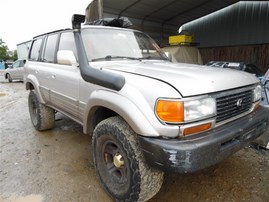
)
(9, 78)
(120, 164)
(42, 116)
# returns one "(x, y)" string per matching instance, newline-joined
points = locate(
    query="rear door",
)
(64, 79)
(37, 68)
(17, 70)
(12, 70)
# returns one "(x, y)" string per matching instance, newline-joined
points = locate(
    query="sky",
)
(21, 20)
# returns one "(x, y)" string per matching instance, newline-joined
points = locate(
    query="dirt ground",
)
(56, 165)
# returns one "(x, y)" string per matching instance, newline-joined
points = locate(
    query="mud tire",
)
(42, 116)
(135, 180)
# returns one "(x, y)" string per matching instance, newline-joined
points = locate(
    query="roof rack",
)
(123, 22)
(60, 30)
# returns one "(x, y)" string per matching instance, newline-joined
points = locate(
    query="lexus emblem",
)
(239, 103)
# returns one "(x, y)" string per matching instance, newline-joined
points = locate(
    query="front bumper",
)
(190, 155)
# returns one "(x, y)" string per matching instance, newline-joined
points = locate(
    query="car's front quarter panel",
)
(135, 102)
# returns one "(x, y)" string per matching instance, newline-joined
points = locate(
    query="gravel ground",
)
(56, 165)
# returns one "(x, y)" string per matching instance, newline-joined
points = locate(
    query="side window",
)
(16, 64)
(67, 42)
(50, 48)
(35, 50)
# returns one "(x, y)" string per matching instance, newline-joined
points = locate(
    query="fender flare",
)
(31, 79)
(136, 119)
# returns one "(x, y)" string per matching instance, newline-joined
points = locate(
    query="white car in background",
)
(16, 71)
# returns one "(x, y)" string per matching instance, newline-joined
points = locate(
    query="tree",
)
(14, 56)
(3, 51)
(5, 54)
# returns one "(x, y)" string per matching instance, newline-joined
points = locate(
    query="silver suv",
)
(146, 115)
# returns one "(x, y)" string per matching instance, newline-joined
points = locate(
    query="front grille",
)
(229, 106)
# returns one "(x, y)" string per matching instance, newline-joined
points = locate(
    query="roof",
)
(171, 12)
(161, 18)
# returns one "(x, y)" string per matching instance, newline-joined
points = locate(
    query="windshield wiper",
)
(153, 58)
(110, 57)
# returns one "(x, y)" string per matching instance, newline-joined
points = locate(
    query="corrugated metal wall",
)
(243, 23)
(237, 33)
(256, 54)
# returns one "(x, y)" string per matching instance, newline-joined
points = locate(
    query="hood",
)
(188, 79)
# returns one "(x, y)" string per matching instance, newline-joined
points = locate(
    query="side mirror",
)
(66, 57)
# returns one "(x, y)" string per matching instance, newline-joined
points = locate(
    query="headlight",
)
(199, 109)
(257, 93)
(174, 111)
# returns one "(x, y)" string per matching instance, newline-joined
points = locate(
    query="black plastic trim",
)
(191, 155)
(88, 73)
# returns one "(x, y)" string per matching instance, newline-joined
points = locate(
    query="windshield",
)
(108, 44)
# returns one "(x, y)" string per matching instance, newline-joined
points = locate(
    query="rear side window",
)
(67, 42)
(35, 50)
(50, 48)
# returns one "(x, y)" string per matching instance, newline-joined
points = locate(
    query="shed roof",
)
(161, 18)
(170, 12)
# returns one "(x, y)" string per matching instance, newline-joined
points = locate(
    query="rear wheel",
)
(120, 164)
(42, 116)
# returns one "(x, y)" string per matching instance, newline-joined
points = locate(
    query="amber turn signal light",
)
(170, 111)
(197, 129)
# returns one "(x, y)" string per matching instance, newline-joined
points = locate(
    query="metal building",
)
(158, 18)
(243, 23)
(238, 33)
